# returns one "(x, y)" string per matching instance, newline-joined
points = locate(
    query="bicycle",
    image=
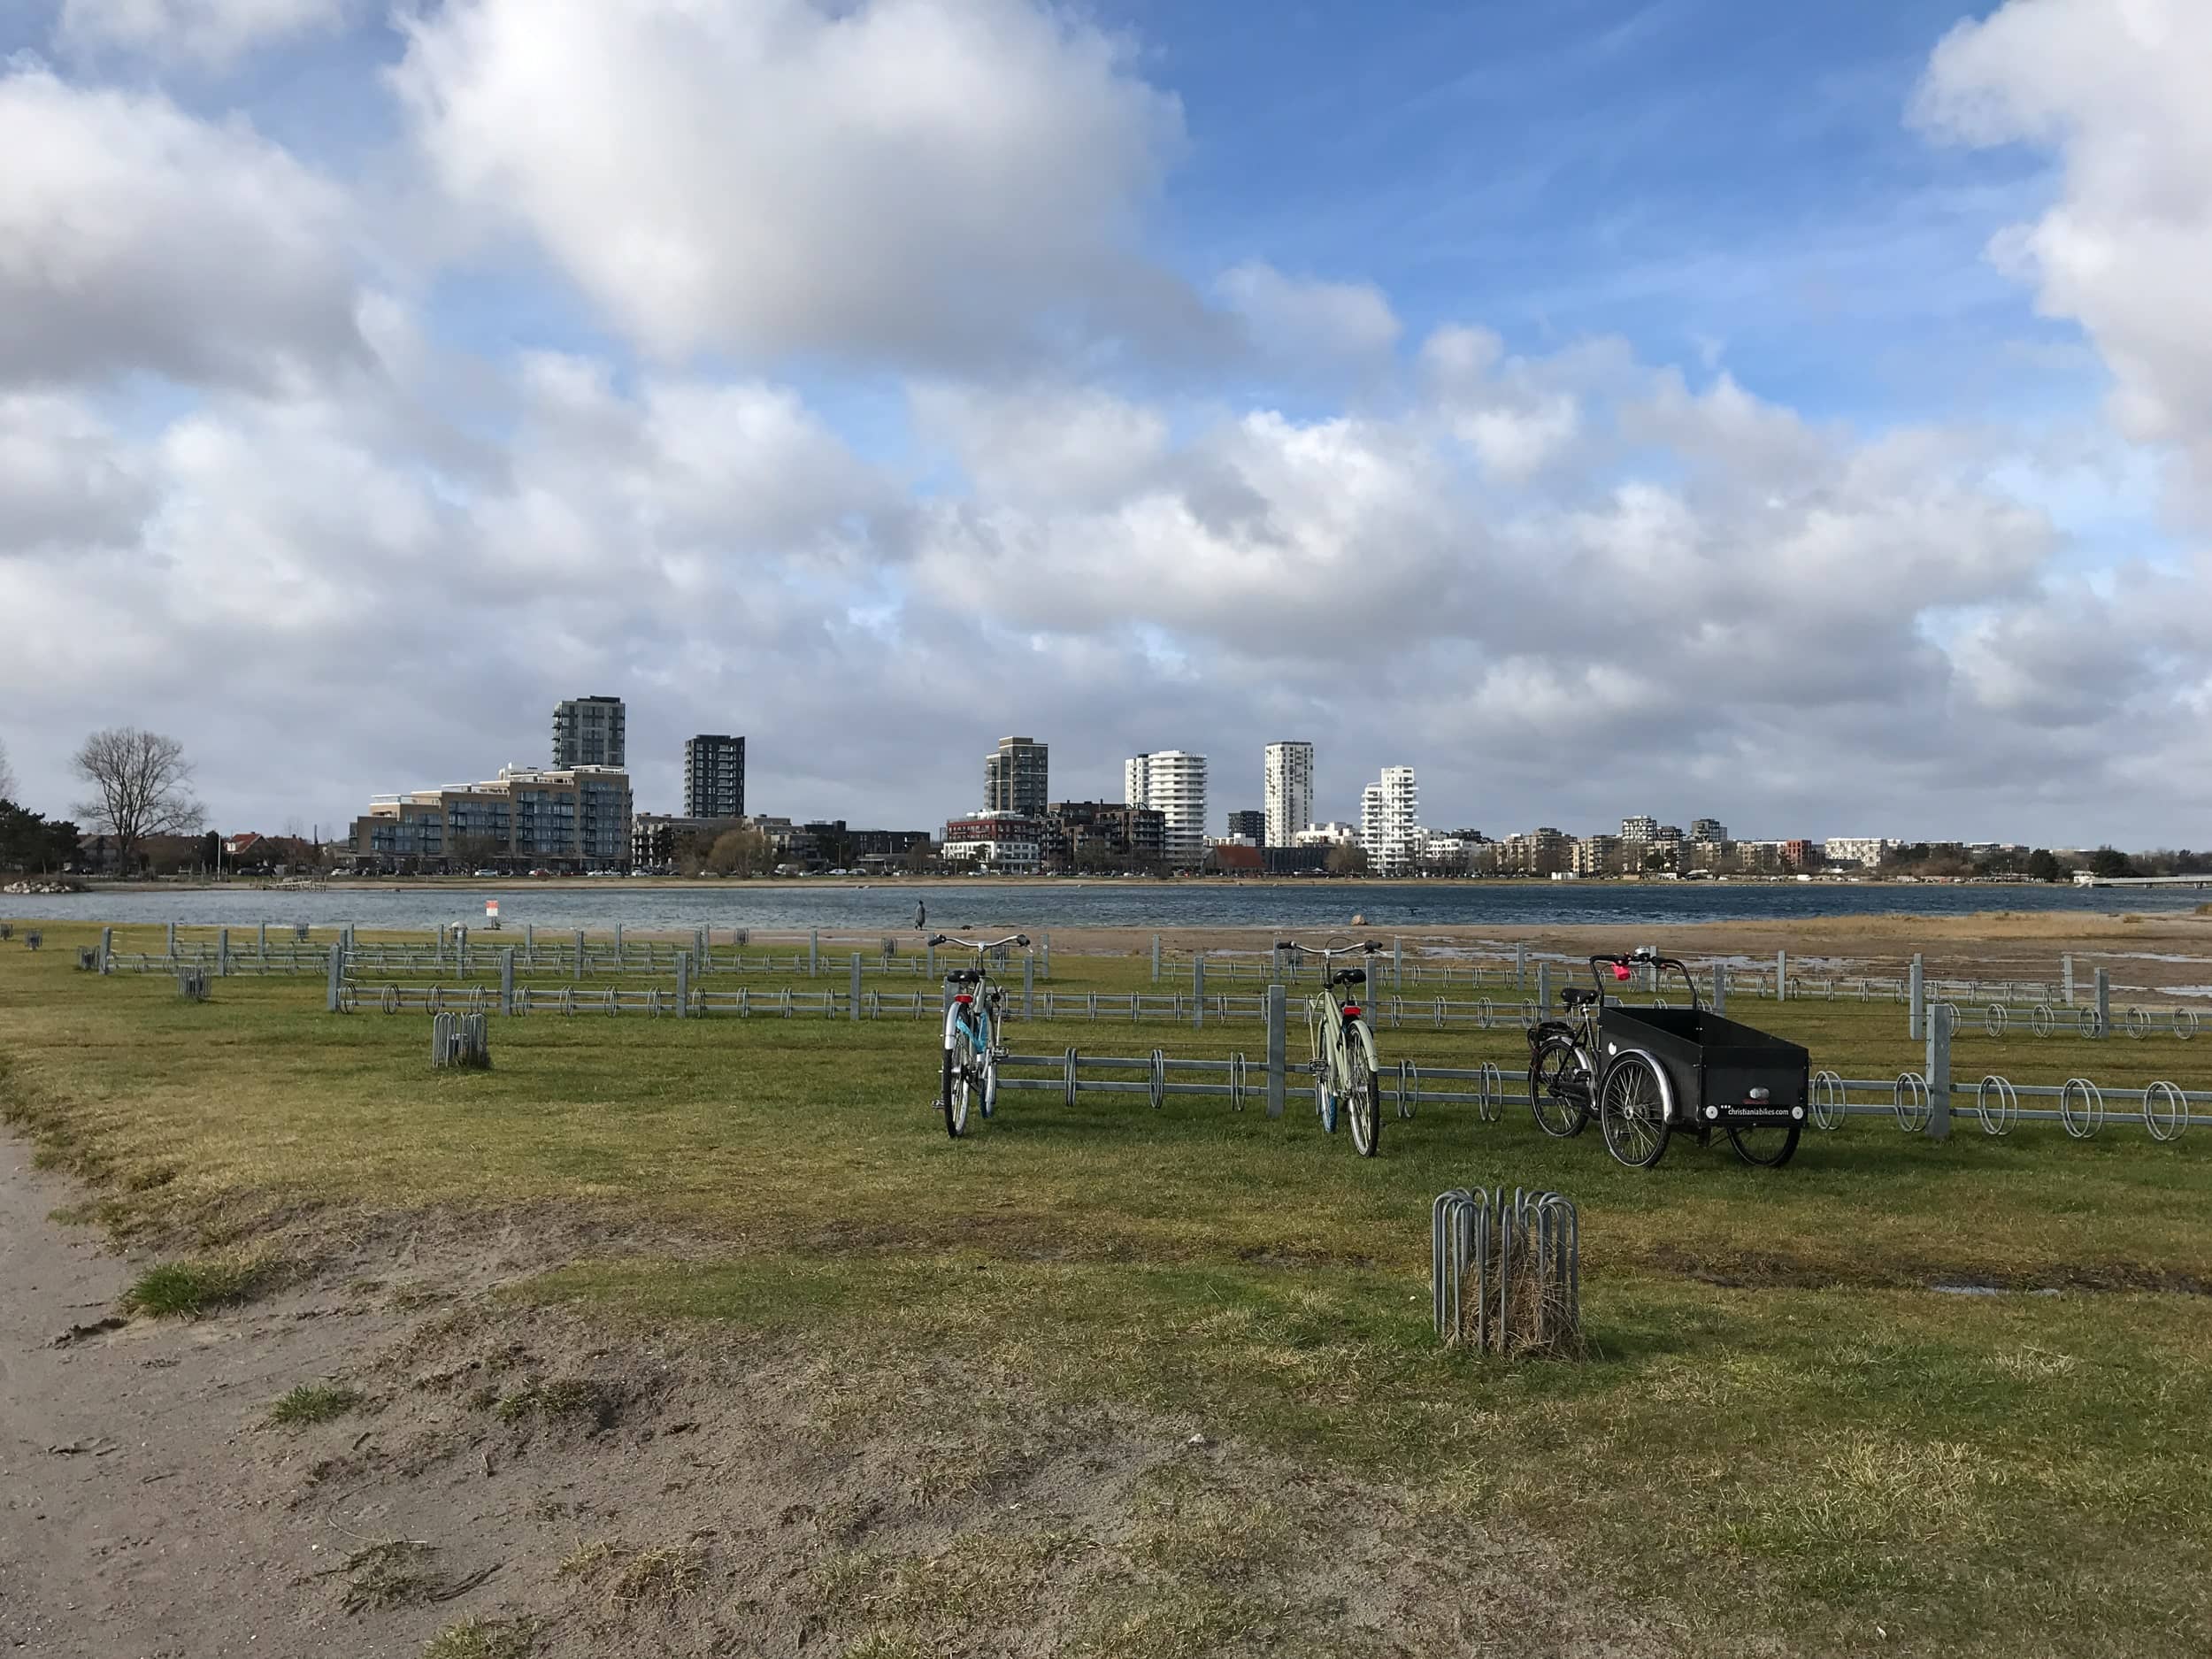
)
(973, 1025)
(1560, 1071)
(1344, 1067)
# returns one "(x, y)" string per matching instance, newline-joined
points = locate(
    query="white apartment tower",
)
(1390, 822)
(1173, 784)
(1289, 791)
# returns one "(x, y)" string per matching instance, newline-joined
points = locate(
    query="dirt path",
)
(588, 1489)
(136, 1518)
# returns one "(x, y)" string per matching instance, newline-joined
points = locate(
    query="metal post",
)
(1916, 993)
(1029, 981)
(683, 984)
(1543, 988)
(1720, 988)
(530, 937)
(1520, 967)
(578, 969)
(931, 963)
(461, 950)
(855, 988)
(1397, 964)
(617, 942)
(1278, 1002)
(507, 980)
(107, 947)
(1939, 1072)
(1044, 946)
(2066, 978)
(702, 947)
(2104, 1003)
(337, 975)
(1198, 989)
(345, 938)
(261, 944)
(814, 953)
(222, 953)
(172, 938)
(1781, 976)
(1155, 958)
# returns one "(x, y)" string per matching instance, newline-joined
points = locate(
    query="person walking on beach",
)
(921, 916)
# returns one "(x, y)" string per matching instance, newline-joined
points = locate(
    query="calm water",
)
(1036, 904)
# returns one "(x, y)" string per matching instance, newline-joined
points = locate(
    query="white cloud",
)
(213, 32)
(1306, 323)
(940, 180)
(65, 483)
(1067, 446)
(2117, 87)
(133, 237)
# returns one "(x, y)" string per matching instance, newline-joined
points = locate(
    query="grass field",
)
(1785, 1432)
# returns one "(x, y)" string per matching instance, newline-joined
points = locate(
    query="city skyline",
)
(342, 437)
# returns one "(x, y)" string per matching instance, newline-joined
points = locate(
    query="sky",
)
(1796, 415)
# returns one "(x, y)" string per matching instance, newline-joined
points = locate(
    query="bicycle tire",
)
(1325, 1100)
(953, 1095)
(1365, 1102)
(1629, 1113)
(1552, 1096)
(1761, 1151)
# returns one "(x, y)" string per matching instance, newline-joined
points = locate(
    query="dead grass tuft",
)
(483, 1639)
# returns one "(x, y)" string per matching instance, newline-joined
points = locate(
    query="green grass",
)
(1782, 1431)
(313, 1402)
(186, 1290)
(483, 1639)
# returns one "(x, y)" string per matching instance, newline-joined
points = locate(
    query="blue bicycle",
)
(973, 1022)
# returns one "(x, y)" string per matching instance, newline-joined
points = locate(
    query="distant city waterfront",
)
(1036, 904)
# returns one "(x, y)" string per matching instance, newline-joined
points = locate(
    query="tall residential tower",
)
(1173, 784)
(1013, 776)
(714, 776)
(1289, 791)
(590, 732)
(1390, 822)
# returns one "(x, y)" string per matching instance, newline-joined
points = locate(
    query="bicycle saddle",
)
(965, 975)
(1348, 976)
(1575, 996)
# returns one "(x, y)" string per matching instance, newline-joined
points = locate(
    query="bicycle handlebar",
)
(1369, 947)
(989, 944)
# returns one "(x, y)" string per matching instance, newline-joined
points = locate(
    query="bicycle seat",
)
(1348, 976)
(965, 975)
(1576, 997)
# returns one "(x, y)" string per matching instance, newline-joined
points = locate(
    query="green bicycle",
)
(1346, 1079)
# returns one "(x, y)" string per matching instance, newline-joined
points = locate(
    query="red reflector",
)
(1351, 1010)
(964, 1001)
(1620, 971)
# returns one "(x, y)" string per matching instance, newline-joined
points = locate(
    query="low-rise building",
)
(1103, 835)
(1015, 857)
(1866, 851)
(576, 818)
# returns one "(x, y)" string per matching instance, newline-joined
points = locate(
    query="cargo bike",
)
(1649, 1072)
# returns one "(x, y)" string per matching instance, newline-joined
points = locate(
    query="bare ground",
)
(513, 1480)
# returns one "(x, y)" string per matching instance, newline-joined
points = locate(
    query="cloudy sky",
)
(1797, 414)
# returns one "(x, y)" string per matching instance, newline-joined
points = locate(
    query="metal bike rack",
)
(1506, 1275)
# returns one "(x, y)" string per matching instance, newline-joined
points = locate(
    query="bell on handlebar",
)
(1620, 971)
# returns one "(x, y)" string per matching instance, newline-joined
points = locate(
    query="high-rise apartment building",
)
(1173, 784)
(590, 732)
(1249, 827)
(1639, 829)
(714, 776)
(1013, 776)
(1709, 830)
(1289, 792)
(1390, 822)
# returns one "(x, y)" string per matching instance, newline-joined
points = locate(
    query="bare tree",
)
(142, 786)
(7, 776)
